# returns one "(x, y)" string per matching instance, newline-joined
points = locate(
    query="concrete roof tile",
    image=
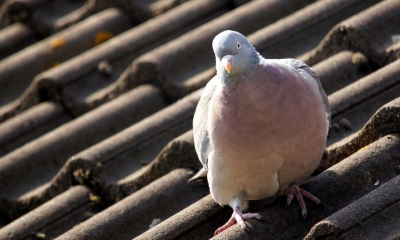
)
(133, 215)
(341, 69)
(26, 171)
(31, 124)
(115, 164)
(365, 88)
(355, 104)
(347, 124)
(185, 221)
(301, 31)
(143, 10)
(57, 15)
(41, 219)
(374, 216)
(384, 121)
(369, 32)
(14, 38)
(51, 52)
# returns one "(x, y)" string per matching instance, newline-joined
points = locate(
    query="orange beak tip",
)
(228, 66)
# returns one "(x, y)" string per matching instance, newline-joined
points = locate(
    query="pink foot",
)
(238, 217)
(294, 190)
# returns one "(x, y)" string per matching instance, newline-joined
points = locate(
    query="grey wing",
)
(306, 71)
(200, 131)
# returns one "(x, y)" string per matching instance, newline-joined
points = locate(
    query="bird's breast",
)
(239, 117)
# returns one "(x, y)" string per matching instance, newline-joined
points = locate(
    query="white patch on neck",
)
(263, 61)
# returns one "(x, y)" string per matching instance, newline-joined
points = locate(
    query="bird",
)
(260, 127)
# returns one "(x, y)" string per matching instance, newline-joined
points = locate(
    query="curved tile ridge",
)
(374, 216)
(46, 25)
(304, 29)
(350, 97)
(113, 166)
(365, 88)
(385, 120)
(134, 214)
(341, 69)
(49, 53)
(31, 124)
(346, 125)
(143, 10)
(32, 166)
(369, 32)
(178, 153)
(14, 38)
(46, 19)
(185, 221)
(47, 214)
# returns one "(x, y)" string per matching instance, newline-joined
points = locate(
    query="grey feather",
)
(304, 68)
(200, 131)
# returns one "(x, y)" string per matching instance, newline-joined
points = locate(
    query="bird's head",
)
(235, 56)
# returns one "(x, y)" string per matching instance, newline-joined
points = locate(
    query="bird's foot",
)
(238, 217)
(294, 190)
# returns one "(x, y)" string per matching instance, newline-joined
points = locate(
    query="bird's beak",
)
(227, 63)
(228, 66)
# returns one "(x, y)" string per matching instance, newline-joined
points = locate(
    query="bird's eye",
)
(239, 46)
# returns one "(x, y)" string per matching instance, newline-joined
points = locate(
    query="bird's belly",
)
(244, 160)
(238, 174)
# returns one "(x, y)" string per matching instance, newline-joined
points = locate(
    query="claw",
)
(239, 217)
(294, 190)
(289, 198)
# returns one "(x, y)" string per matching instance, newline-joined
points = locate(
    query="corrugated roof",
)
(96, 107)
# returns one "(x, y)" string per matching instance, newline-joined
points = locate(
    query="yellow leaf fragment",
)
(102, 37)
(58, 42)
